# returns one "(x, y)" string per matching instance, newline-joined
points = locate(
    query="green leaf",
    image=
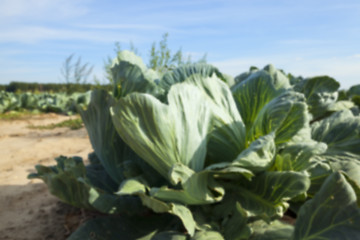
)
(330, 162)
(275, 108)
(183, 72)
(354, 90)
(127, 228)
(179, 173)
(320, 93)
(319, 170)
(170, 235)
(258, 156)
(276, 230)
(355, 186)
(267, 83)
(332, 214)
(131, 75)
(199, 188)
(68, 181)
(227, 135)
(98, 176)
(285, 115)
(186, 217)
(345, 162)
(134, 187)
(243, 76)
(230, 171)
(340, 131)
(236, 228)
(341, 105)
(207, 235)
(100, 129)
(166, 134)
(117, 158)
(266, 195)
(297, 157)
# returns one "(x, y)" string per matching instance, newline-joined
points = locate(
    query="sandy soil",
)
(27, 210)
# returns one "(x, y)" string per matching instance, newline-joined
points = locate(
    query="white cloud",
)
(19, 10)
(124, 26)
(303, 41)
(34, 34)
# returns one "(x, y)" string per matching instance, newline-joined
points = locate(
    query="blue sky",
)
(307, 38)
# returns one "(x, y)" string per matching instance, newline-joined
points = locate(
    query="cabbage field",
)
(43, 102)
(193, 153)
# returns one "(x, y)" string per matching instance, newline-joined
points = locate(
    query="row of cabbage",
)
(196, 154)
(43, 102)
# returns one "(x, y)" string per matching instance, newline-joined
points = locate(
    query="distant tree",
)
(161, 58)
(67, 69)
(75, 73)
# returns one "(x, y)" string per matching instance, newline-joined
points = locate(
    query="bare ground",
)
(27, 210)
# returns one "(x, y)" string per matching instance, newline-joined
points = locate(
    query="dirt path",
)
(27, 210)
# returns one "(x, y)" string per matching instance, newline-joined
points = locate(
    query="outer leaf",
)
(125, 227)
(274, 108)
(340, 131)
(297, 157)
(267, 83)
(286, 115)
(207, 235)
(341, 105)
(170, 235)
(258, 156)
(117, 158)
(346, 162)
(200, 188)
(134, 187)
(181, 74)
(356, 188)
(276, 230)
(320, 93)
(230, 171)
(131, 75)
(354, 90)
(332, 214)
(243, 76)
(319, 170)
(166, 134)
(330, 162)
(236, 228)
(267, 194)
(227, 136)
(180, 173)
(98, 176)
(69, 182)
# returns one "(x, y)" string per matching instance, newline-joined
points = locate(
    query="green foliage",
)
(73, 124)
(334, 212)
(15, 115)
(161, 59)
(215, 157)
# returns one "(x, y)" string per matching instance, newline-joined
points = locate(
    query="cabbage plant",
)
(196, 154)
